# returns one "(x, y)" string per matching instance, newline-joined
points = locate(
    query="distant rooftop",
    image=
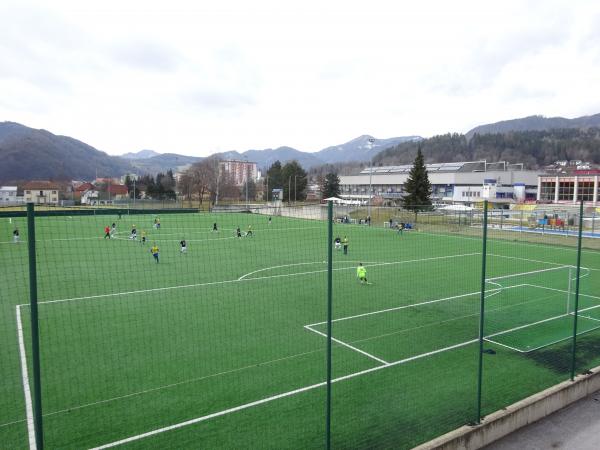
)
(467, 166)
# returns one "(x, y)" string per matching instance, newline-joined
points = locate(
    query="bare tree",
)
(203, 178)
(185, 185)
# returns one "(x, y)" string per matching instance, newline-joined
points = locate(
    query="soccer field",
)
(225, 346)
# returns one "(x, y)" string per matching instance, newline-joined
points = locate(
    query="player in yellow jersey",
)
(155, 252)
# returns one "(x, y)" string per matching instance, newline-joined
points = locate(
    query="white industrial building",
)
(458, 182)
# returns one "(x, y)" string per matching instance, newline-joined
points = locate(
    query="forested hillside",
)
(533, 148)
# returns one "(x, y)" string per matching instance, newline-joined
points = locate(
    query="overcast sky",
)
(199, 77)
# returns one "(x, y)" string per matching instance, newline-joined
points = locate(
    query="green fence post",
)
(575, 313)
(482, 309)
(329, 316)
(35, 338)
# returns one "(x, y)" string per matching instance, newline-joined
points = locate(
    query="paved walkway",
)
(577, 427)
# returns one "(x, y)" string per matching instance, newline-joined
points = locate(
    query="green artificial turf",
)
(224, 347)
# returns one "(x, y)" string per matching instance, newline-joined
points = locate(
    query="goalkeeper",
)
(361, 274)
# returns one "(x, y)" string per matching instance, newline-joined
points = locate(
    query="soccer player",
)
(337, 242)
(155, 252)
(249, 232)
(269, 222)
(106, 232)
(133, 233)
(400, 228)
(16, 236)
(158, 223)
(215, 229)
(143, 241)
(345, 244)
(113, 229)
(361, 273)
(183, 246)
(238, 232)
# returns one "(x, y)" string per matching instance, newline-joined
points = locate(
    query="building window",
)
(585, 191)
(566, 189)
(547, 190)
(54, 192)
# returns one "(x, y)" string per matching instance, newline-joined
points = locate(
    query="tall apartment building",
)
(239, 170)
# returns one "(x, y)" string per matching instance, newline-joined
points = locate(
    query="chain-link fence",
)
(286, 327)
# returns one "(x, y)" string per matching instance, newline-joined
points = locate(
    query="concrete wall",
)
(518, 415)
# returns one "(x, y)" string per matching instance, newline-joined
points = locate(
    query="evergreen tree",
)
(331, 186)
(273, 180)
(294, 181)
(417, 188)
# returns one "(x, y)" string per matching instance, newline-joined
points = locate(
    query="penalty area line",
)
(358, 350)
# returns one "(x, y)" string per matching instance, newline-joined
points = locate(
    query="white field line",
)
(585, 317)
(396, 308)
(570, 336)
(494, 291)
(528, 244)
(300, 264)
(413, 305)
(362, 352)
(25, 378)
(525, 273)
(560, 316)
(213, 283)
(279, 396)
(566, 292)
(526, 259)
(504, 345)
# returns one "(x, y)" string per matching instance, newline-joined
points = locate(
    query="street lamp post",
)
(371, 140)
(267, 196)
(246, 185)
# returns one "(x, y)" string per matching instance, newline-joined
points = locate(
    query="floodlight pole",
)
(35, 336)
(371, 140)
(576, 310)
(217, 188)
(329, 321)
(482, 310)
(246, 170)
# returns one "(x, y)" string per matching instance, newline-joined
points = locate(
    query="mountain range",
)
(536, 123)
(27, 153)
